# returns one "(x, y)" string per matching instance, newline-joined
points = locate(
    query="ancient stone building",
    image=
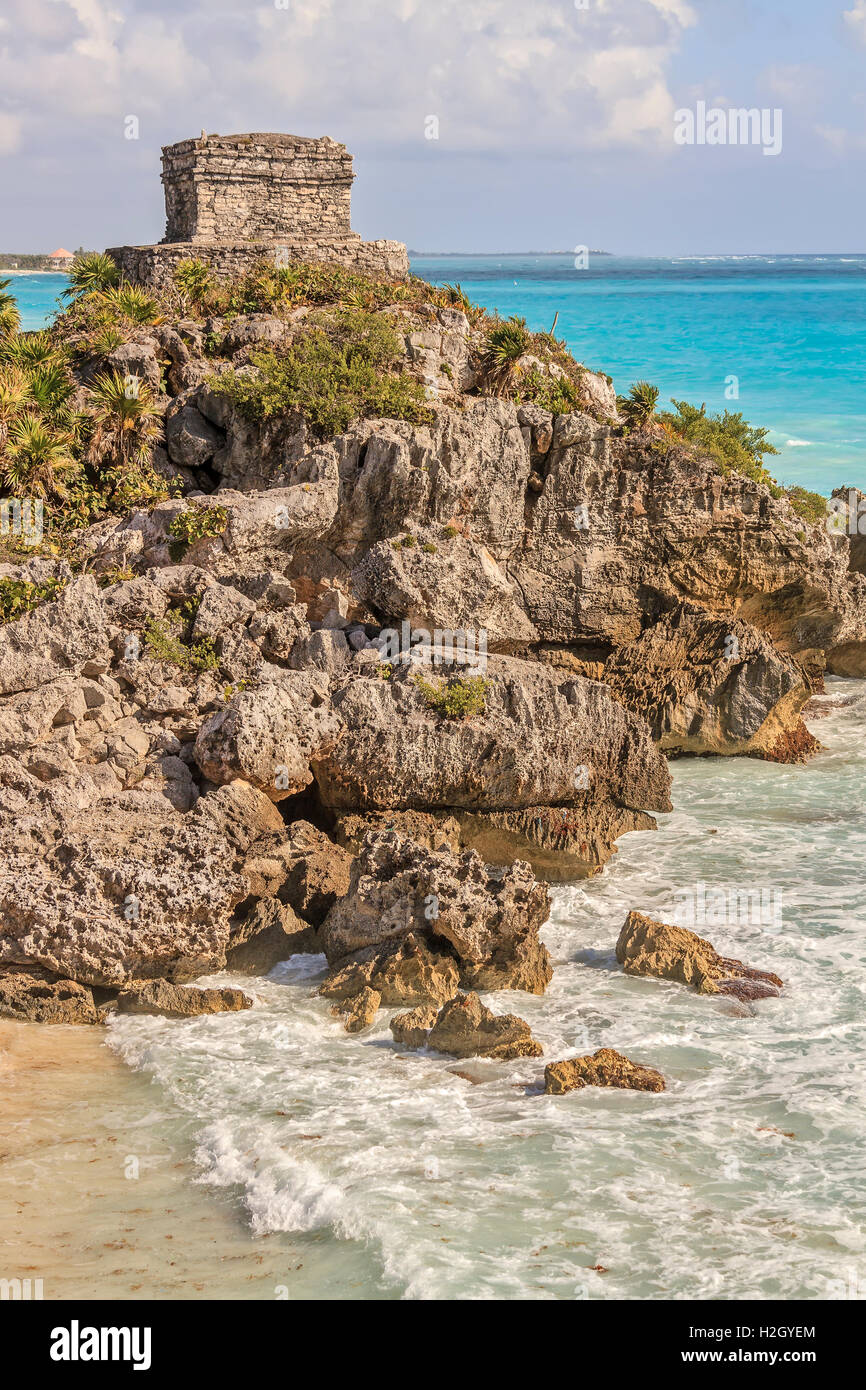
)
(232, 199)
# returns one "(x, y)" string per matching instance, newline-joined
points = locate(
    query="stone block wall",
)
(153, 266)
(259, 187)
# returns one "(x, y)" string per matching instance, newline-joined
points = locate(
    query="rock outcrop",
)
(464, 1027)
(167, 1000)
(433, 918)
(359, 1011)
(647, 947)
(204, 720)
(712, 685)
(27, 992)
(603, 1068)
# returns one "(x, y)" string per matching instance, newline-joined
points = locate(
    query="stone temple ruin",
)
(231, 200)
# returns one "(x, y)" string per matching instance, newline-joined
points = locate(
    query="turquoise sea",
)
(790, 329)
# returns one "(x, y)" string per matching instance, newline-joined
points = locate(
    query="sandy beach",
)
(78, 1127)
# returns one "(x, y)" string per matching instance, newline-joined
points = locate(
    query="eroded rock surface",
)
(179, 1001)
(603, 1068)
(482, 920)
(647, 947)
(27, 992)
(711, 685)
(464, 1027)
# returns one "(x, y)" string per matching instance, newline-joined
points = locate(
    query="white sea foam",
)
(741, 1180)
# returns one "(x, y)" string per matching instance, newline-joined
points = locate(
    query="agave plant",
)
(125, 422)
(106, 340)
(133, 303)
(639, 406)
(93, 273)
(50, 387)
(28, 350)
(10, 318)
(505, 344)
(37, 458)
(194, 281)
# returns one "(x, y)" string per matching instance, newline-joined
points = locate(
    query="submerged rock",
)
(179, 1001)
(603, 1068)
(647, 947)
(359, 1011)
(406, 971)
(411, 1028)
(464, 1027)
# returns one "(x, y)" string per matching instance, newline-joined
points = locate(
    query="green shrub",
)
(192, 525)
(340, 369)
(459, 698)
(164, 641)
(18, 597)
(195, 284)
(811, 506)
(727, 439)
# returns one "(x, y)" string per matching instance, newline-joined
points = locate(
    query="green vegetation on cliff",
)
(341, 368)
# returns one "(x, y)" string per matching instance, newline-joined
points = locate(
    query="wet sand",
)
(95, 1207)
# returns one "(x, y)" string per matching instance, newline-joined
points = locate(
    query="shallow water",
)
(742, 1180)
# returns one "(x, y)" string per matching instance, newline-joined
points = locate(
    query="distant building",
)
(60, 259)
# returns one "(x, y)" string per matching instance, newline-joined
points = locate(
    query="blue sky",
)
(555, 122)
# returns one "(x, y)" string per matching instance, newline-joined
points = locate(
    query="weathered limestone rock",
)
(269, 736)
(604, 1068)
(271, 932)
(406, 971)
(542, 740)
(713, 685)
(647, 947)
(179, 1001)
(467, 1028)
(302, 867)
(222, 608)
(191, 440)
(411, 1028)
(488, 916)
(106, 888)
(29, 992)
(68, 636)
(456, 587)
(360, 1010)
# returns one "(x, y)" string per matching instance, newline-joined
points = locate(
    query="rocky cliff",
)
(260, 658)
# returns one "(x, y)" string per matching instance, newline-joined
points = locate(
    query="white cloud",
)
(856, 20)
(500, 74)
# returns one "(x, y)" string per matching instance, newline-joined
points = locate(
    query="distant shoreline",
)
(503, 255)
(4, 272)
